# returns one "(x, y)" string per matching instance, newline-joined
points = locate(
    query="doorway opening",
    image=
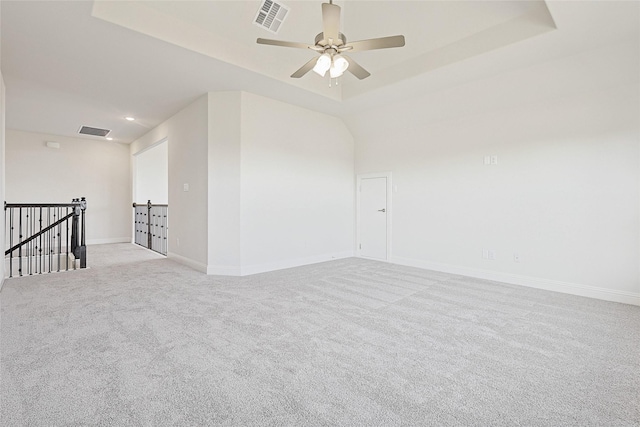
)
(151, 197)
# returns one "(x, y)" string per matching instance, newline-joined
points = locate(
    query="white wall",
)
(271, 185)
(564, 194)
(297, 186)
(2, 161)
(224, 183)
(187, 135)
(2, 170)
(97, 170)
(152, 174)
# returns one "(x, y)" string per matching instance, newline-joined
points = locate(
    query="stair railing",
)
(46, 237)
(152, 226)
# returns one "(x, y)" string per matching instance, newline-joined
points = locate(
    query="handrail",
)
(38, 228)
(149, 204)
(41, 205)
(38, 234)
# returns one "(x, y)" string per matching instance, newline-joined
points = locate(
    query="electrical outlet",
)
(494, 160)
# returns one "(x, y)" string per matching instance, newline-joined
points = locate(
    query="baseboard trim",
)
(532, 282)
(108, 240)
(198, 266)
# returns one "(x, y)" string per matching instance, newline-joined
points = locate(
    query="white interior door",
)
(373, 218)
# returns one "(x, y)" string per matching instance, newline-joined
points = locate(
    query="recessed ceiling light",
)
(130, 118)
(109, 139)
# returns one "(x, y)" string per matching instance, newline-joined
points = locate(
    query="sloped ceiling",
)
(68, 64)
(437, 34)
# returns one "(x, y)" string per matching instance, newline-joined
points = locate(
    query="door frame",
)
(134, 177)
(359, 179)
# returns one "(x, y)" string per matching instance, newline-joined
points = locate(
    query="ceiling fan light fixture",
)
(323, 64)
(338, 66)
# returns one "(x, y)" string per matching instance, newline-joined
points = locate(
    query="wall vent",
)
(87, 130)
(271, 15)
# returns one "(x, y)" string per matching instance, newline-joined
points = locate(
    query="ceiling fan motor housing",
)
(321, 41)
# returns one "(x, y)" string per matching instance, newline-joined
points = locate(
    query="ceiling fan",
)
(331, 44)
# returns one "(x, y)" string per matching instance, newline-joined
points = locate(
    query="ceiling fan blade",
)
(330, 21)
(380, 43)
(356, 69)
(305, 68)
(284, 44)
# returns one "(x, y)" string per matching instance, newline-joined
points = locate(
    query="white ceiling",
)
(68, 64)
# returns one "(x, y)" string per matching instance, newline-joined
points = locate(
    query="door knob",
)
(382, 210)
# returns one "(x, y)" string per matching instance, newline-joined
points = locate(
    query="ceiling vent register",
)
(86, 130)
(271, 15)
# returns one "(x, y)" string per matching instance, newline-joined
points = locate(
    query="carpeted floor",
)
(140, 340)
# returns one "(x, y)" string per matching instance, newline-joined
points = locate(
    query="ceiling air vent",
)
(271, 15)
(86, 130)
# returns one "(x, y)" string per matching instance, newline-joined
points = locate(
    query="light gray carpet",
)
(138, 340)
